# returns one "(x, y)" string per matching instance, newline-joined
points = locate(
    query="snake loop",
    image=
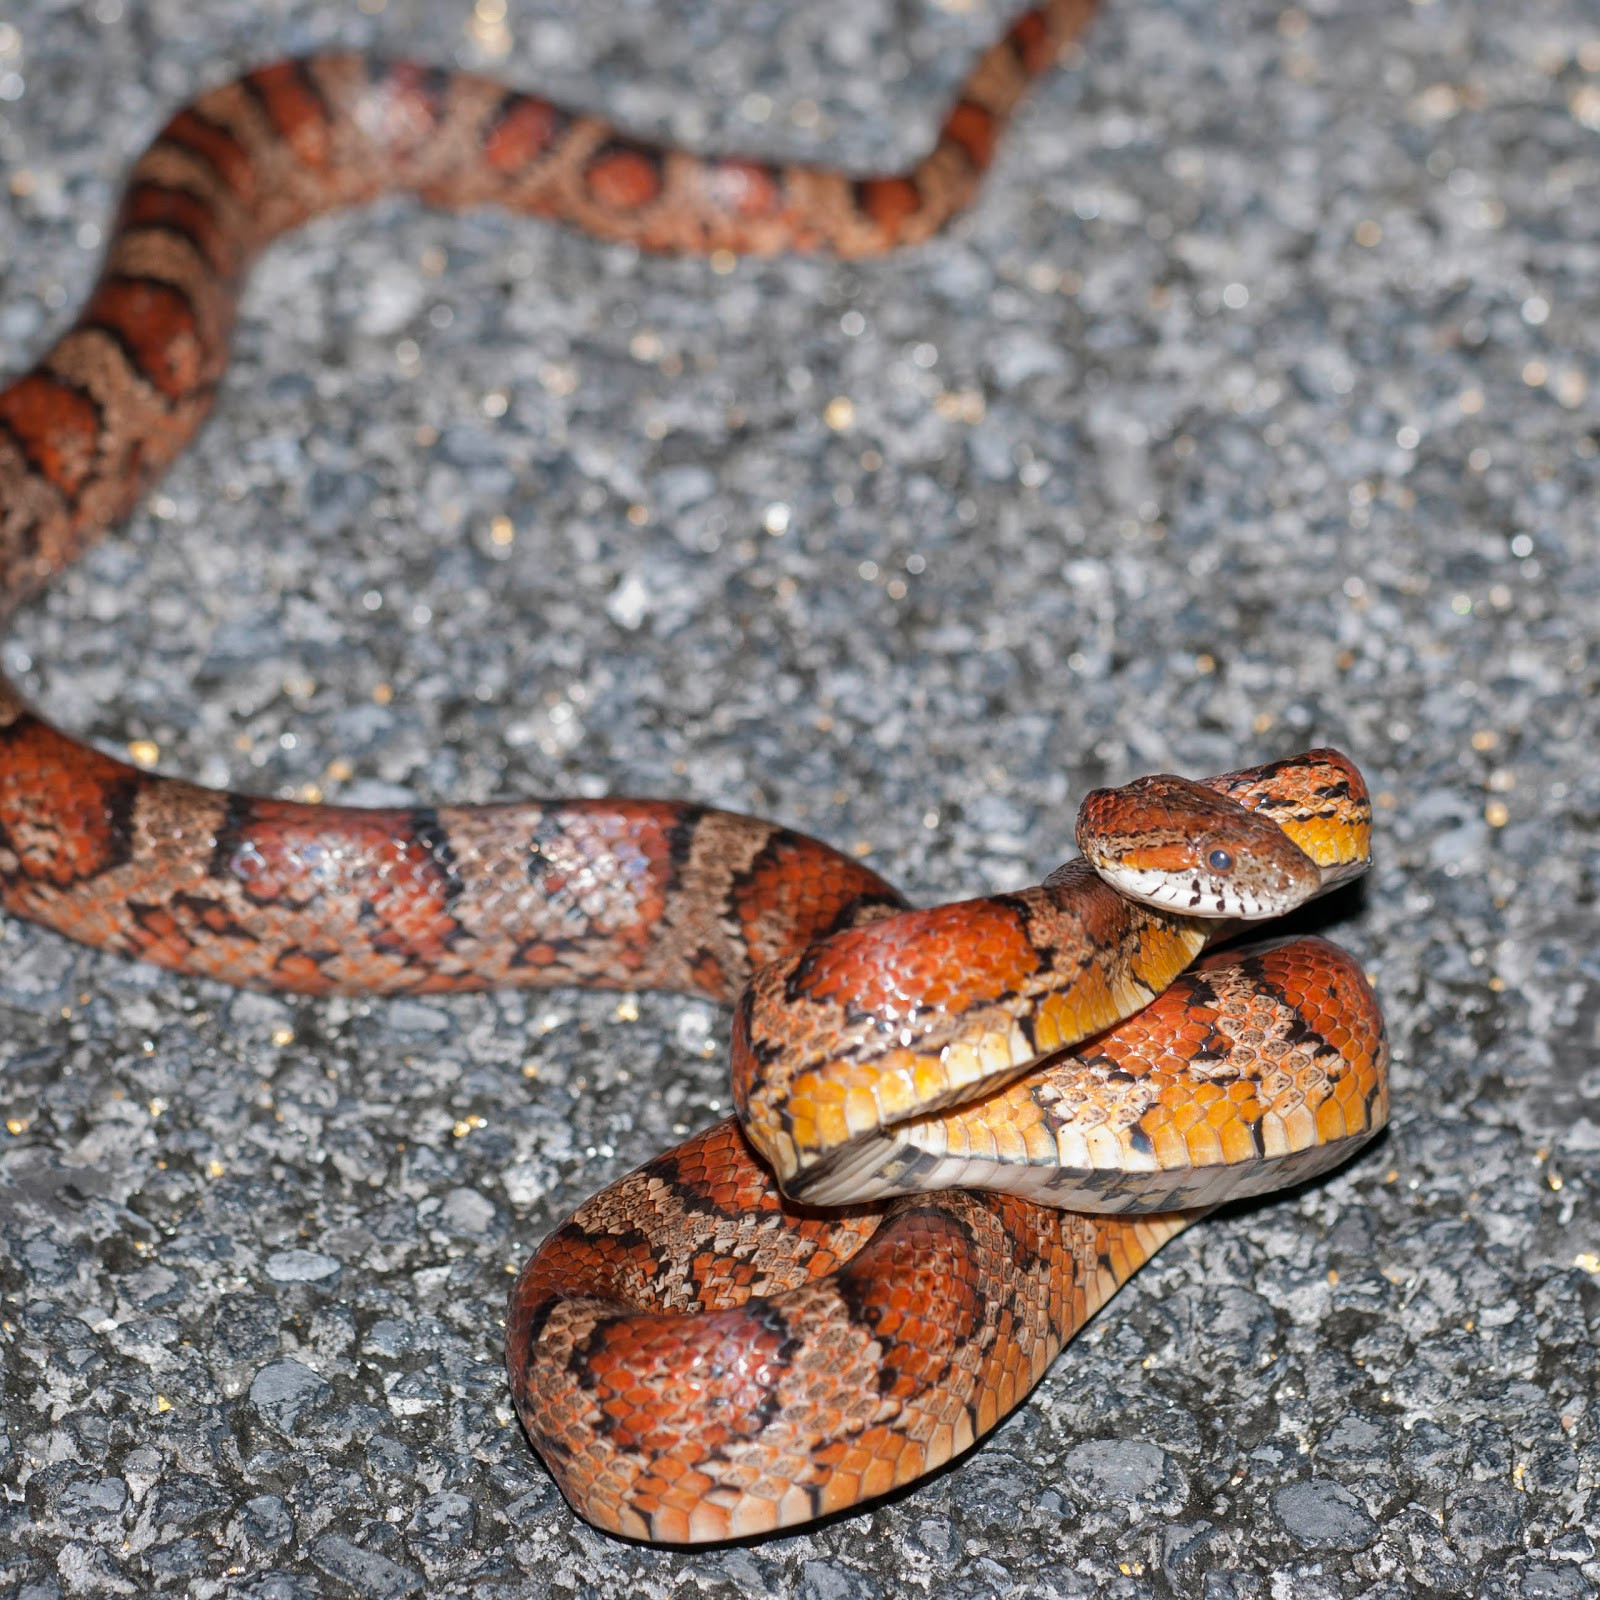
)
(698, 1353)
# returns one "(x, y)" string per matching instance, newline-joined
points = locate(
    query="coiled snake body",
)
(695, 1355)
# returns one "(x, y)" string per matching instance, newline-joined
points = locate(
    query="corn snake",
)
(629, 893)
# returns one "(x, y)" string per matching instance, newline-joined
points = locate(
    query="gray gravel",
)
(1253, 407)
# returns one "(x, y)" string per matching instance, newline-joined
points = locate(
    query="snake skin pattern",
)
(698, 1355)
(695, 1355)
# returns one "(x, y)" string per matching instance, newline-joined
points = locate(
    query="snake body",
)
(696, 1354)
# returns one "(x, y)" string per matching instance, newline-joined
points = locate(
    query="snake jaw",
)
(1251, 896)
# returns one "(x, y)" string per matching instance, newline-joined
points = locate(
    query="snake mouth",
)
(1202, 894)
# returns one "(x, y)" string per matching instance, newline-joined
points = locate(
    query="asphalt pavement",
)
(1253, 407)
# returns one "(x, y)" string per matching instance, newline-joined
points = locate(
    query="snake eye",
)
(1220, 861)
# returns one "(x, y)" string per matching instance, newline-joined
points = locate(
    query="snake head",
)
(1177, 845)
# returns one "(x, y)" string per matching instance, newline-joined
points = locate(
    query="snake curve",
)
(695, 1355)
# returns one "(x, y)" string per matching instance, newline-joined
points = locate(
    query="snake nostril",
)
(1220, 861)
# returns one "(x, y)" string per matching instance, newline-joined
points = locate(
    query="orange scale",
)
(844, 1488)
(871, 1442)
(1186, 1115)
(855, 1459)
(1331, 1122)
(1170, 1149)
(1011, 1387)
(928, 1333)
(669, 1525)
(605, 1360)
(647, 1432)
(890, 1323)
(651, 1493)
(1238, 1147)
(1300, 1127)
(1121, 1267)
(841, 1488)
(1348, 1091)
(1204, 1145)
(692, 1485)
(910, 1378)
(677, 1474)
